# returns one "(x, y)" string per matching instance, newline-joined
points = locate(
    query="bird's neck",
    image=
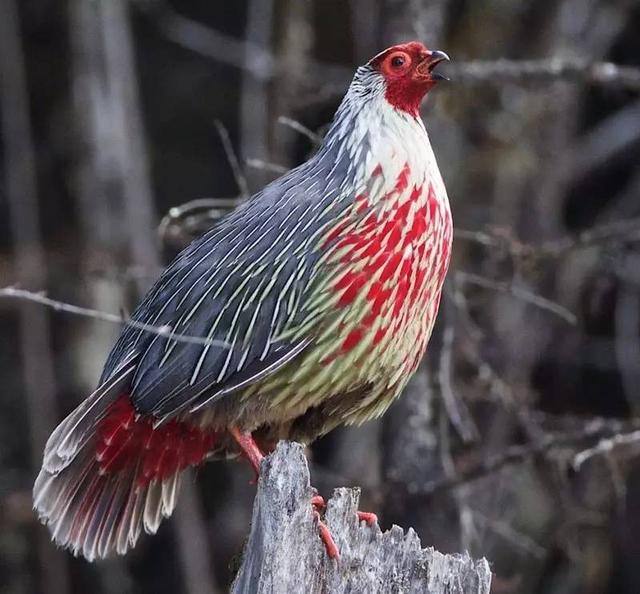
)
(375, 148)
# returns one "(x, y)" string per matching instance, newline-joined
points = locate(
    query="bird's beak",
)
(431, 60)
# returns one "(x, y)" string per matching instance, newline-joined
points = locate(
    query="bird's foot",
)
(369, 517)
(318, 504)
(250, 450)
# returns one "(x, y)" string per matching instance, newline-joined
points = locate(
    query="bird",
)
(307, 307)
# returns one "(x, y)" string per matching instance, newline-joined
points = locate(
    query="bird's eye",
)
(398, 61)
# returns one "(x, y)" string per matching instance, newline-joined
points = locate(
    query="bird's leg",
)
(317, 502)
(249, 448)
(325, 535)
(254, 456)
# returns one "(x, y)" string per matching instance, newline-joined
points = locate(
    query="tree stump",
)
(284, 554)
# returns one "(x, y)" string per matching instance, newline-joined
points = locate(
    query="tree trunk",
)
(284, 552)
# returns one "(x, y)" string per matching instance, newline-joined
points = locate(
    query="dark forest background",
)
(127, 127)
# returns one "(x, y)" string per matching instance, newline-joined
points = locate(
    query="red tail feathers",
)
(103, 481)
(125, 438)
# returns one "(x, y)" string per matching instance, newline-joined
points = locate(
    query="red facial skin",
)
(406, 69)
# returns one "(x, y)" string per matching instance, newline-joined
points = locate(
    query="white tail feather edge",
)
(92, 514)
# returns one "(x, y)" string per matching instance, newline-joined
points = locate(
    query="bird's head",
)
(408, 73)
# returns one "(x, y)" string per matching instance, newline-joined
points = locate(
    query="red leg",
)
(254, 456)
(249, 448)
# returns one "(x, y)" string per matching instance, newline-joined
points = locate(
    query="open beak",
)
(430, 62)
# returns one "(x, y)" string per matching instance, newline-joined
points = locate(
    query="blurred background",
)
(128, 127)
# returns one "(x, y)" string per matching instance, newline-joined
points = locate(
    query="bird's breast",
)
(386, 265)
(375, 296)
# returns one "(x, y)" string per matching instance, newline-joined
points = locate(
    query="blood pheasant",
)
(315, 301)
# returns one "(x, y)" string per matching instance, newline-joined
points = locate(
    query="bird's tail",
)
(109, 472)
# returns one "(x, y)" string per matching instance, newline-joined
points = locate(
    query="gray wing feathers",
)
(237, 286)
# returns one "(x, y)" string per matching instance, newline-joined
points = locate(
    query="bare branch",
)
(301, 128)
(457, 410)
(481, 237)
(208, 42)
(545, 71)
(165, 331)
(511, 535)
(599, 430)
(497, 386)
(508, 288)
(241, 180)
(609, 233)
(194, 217)
(226, 49)
(266, 166)
(605, 446)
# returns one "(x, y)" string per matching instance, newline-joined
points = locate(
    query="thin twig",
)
(185, 221)
(487, 374)
(508, 288)
(206, 41)
(266, 166)
(300, 128)
(601, 430)
(214, 208)
(456, 408)
(545, 71)
(34, 337)
(165, 331)
(481, 237)
(226, 49)
(466, 516)
(605, 446)
(238, 175)
(603, 235)
(512, 536)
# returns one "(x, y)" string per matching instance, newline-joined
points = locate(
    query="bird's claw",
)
(318, 503)
(369, 517)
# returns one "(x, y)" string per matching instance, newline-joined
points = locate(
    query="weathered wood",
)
(285, 555)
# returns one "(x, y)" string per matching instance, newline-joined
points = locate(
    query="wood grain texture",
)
(285, 555)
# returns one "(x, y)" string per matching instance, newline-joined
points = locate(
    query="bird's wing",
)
(238, 287)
